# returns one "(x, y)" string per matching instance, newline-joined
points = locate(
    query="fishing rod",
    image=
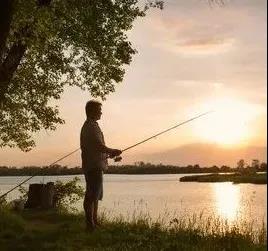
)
(116, 159)
(65, 156)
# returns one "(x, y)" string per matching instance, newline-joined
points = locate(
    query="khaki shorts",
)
(94, 183)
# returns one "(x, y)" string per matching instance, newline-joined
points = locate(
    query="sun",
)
(228, 124)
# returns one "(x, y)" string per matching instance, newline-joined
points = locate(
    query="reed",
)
(52, 230)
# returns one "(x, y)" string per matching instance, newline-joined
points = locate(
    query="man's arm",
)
(99, 144)
(110, 151)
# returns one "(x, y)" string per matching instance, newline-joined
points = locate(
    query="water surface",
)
(165, 196)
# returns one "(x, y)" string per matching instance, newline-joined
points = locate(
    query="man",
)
(94, 161)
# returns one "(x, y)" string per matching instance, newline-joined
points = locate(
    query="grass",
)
(52, 230)
(235, 178)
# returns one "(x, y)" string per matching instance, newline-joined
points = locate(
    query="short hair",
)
(92, 106)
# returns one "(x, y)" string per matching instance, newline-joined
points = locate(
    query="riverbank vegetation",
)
(63, 229)
(137, 168)
(253, 178)
(54, 230)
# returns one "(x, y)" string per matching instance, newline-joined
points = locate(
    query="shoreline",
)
(115, 173)
(236, 178)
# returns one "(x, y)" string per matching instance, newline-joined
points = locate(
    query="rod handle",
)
(117, 159)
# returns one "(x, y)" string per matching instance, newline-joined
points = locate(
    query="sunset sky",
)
(192, 57)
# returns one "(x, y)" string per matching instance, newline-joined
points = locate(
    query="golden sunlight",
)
(229, 124)
(227, 199)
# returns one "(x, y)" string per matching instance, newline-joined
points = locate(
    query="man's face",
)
(98, 113)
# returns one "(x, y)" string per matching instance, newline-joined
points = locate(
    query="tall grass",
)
(52, 230)
(201, 224)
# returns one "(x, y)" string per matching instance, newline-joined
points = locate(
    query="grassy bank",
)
(235, 178)
(50, 230)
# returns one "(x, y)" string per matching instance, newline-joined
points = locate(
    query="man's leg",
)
(99, 197)
(89, 209)
(95, 213)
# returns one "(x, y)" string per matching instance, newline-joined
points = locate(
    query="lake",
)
(165, 196)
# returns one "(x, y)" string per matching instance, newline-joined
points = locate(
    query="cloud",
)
(202, 154)
(188, 36)
(207, 45)
(202, 42)
(192, 27)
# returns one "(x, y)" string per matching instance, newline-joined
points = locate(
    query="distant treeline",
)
(137, 168)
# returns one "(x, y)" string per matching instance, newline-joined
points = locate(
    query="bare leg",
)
(89, 209)
(95, 213)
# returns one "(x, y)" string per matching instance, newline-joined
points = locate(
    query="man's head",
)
(93, 110)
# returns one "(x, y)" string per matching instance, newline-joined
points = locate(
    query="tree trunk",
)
(47, 197)
(6, 12)
(40, 196)
(9, 66)
(10, 60)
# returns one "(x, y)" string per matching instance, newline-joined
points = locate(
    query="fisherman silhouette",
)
(94, 161)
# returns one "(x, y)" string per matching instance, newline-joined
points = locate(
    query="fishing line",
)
(3, 195)
(116, 159)
(171, 128)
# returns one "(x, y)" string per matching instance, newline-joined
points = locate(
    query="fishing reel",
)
(117, 159)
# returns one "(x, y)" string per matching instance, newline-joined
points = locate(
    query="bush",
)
(67, 194)
(3, 202)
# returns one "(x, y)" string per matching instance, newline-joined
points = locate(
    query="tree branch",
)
(6, 13)
(9, 66)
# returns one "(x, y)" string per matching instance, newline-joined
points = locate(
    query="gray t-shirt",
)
(91, 142)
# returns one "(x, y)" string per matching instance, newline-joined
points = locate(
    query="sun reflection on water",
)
(227, 199)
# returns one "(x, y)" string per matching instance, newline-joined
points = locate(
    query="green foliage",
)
(67, 194)
(53, 44)
(138, 168)
(23, 193)
(3, 202)
(248, 177)
(241, 164)
(60, 231)
(10, 224)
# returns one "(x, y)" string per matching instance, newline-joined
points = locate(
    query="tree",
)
(46, 45)
(255, 164)
(263, 167)
(241, 164)
(225, 168)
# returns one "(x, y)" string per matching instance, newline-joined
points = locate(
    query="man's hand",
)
(114, 152)
(117, 159)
